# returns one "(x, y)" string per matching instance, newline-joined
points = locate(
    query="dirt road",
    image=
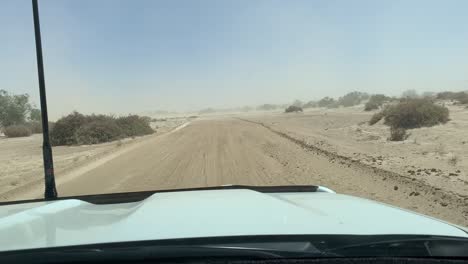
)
(233, 151)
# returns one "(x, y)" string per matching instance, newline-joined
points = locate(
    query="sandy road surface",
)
(232, 151)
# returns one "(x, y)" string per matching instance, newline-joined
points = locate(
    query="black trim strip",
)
(128, 197)
(332, 242)
(197, 241)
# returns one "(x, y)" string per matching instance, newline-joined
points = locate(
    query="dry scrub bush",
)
(414, 113)
(327, 102)
(17, 131)
(65, 128)
(376, 118)
(370, 105)
(77, 129)
(97, 131)
(397, 134)
(293, 108)
(461, 97)
(134, 125)
(410, 113)
(376, 101)
(352, 98)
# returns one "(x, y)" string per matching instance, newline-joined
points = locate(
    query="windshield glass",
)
(366, 98)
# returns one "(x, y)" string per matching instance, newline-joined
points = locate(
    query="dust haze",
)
(334, 142)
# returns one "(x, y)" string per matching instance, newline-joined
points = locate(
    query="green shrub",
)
(36, 126)
(352, 98)
(326, 101)
(379, 115)
(449, 95)
(134, 125)
(376, 118)
(397, 134)
(461, 97)
(65, 128)
(414, 113)
(293, 108)
(376, 101)
(35, 115)
(17, 131)
(80, 129)
(369, 106)
(410, 113)
(445, 95)
(14, 109)
(98, 131)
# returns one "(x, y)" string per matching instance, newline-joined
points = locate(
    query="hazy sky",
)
(119, 56)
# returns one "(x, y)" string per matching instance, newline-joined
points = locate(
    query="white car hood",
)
(191, 214)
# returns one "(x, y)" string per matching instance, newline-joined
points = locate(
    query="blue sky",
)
(120, 56)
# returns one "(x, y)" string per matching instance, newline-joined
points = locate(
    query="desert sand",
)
(335, 148)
